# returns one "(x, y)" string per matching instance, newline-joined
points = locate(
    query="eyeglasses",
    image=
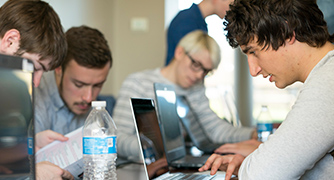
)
(197, 66)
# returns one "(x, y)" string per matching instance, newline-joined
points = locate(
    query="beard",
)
(61, 91)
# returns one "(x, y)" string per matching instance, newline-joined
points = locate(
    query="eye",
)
(79, 85)
(98, 85)
(197, 65)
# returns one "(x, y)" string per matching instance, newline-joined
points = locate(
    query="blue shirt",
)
(184, 22)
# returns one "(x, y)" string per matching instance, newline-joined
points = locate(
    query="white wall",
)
(131, 50)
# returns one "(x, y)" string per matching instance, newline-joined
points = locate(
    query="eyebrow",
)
(86, 84)
(246, 49)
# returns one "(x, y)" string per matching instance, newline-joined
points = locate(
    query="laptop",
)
(150, 139)
(16, 118)
(193, 127)
(171, 132)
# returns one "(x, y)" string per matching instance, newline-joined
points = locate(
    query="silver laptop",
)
(193, 127)
(16, 118)
(171, 131)
(149, 136)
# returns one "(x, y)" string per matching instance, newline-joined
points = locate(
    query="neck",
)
(311, 57)
(206, 8)
(168, 72)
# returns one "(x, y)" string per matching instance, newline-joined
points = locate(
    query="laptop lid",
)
(148, 130)
(147, 126)
(193, 127)
(170, 128)
(146, 121)
(16, 118)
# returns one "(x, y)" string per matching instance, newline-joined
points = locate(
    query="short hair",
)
(88, 47)
(274, 21)
(40, 29)
(198, 40)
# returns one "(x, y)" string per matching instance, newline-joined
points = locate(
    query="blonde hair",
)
(198, 40)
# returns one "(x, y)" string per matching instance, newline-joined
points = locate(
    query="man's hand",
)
(244, 148)
(46, 137)
(158, 167)
(228, 163)
(47, 170)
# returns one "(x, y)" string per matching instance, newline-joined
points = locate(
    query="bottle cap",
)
(99, 103)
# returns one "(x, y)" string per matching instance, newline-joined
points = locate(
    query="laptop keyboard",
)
(183, 176)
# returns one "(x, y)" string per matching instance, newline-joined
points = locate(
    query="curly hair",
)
(272, 22)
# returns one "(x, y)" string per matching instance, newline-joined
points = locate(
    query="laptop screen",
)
(16, 116)
(169, 121)
(147, 124)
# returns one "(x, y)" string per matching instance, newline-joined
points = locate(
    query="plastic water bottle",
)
(99, 144)
(264, 124)
(148, 149)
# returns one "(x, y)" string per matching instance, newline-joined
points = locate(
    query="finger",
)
(56, 136)
(228, 148)
(208, 162)
(67, 175)
(229, 171)
(228, 176)
(217, 164)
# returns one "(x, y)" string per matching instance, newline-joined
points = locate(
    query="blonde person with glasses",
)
(196, 55)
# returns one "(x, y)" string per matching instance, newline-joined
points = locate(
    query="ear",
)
(293, 39)
(10, 42)
(59, 71)
(179, 53)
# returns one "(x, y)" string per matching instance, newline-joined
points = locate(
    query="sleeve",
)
(127, 142)
(301, 144)
(217, 129)
(42, 121)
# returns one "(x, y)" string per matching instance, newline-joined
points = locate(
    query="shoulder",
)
(187, 16)
(143, 76)
(46, 91)
(322, 74)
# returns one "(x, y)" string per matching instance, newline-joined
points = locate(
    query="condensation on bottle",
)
(99, 144)
(264, 124)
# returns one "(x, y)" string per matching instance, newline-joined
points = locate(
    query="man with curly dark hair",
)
(287, 41)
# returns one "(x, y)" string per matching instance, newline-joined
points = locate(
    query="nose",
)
(87, 94)
(254, 68)
(200, 75)
(37, 77)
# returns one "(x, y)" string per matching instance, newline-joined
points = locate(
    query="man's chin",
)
(280, 86)
(80, 111)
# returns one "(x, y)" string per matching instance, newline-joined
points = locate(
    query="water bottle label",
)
(99, 145)
(30, 146)
(264, 127)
